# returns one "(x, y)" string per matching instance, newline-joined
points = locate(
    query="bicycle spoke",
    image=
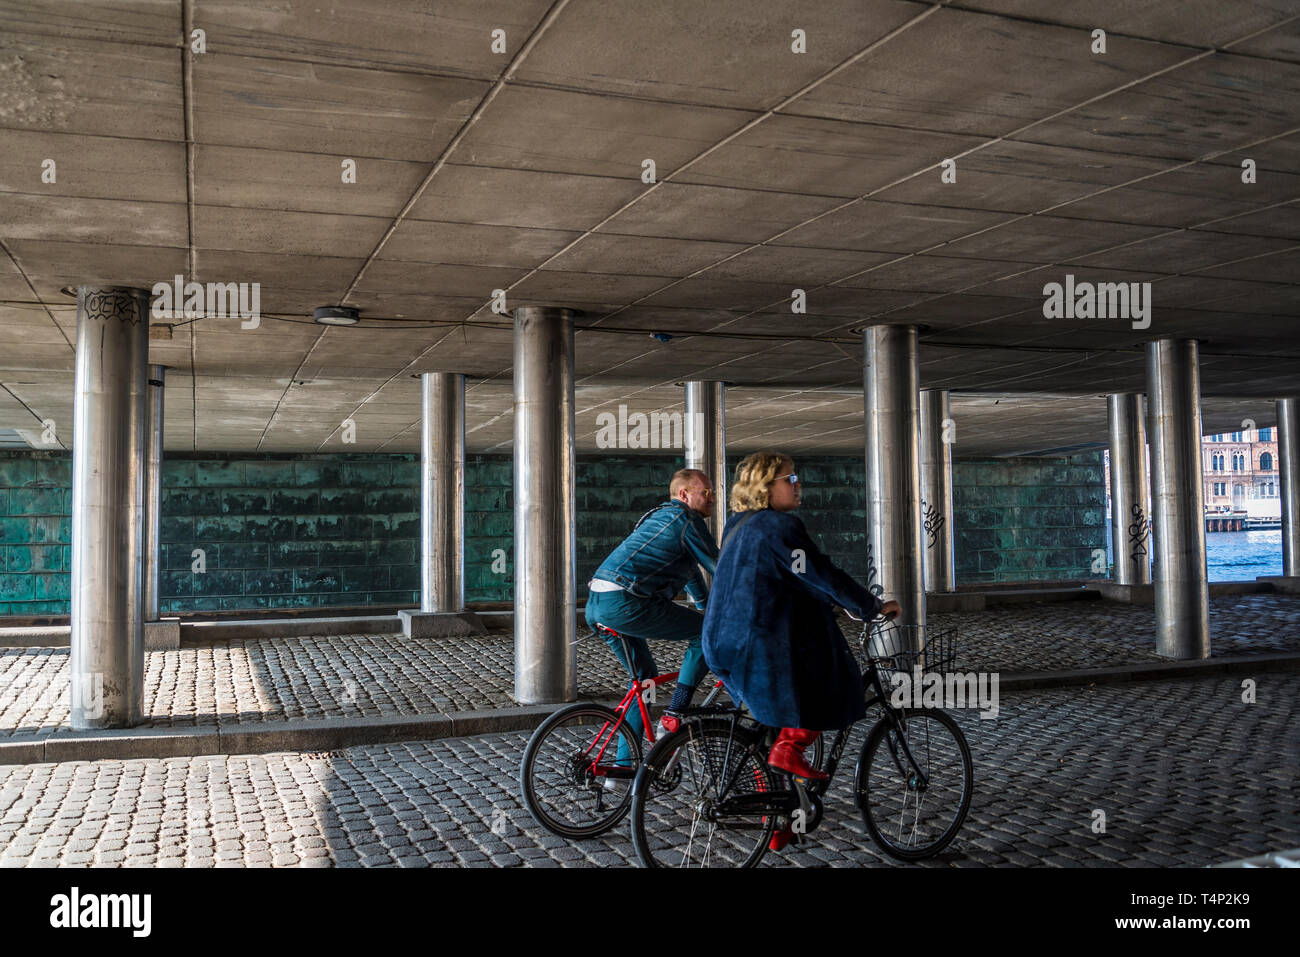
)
(914, 805)
(676, 824)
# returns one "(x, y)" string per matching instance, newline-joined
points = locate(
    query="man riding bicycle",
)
(632, 591)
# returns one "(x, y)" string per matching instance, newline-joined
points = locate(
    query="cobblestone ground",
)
(232, 682)
(1185, 772)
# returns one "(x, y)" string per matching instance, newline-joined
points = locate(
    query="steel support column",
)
(108, 488)
(1177, 499)
(153, 493)
(1130, 515)
(891, 402)
(545, 570)
(1288, 465)
(705, 430)
(442, 492)
(936, 491)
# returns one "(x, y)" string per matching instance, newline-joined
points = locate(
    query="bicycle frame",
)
(634, 693)
(787, 801)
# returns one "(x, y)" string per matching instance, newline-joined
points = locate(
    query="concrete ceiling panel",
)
(53, 265)
(281, 231)
(964, 72)
(588, 134)
(452, 37)
(76, 220)
(927, 273)
(641, 255)
(717, 214)
(1020, 177)
(1193, 250)
(891, 227)
(527, 198)
(1049, 239)
(95, 167)
(800, 154)
(736, 55)
(340, 112)
(802, 267)
(1203, 23)
(156, 22)
(306, 182)
(427, 242)
(90, 87)
(1221, 102)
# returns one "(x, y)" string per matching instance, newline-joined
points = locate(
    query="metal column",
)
(1288, 464)
(1177, 500)
(153, 494)
(108, 488)
(442, 492)
(1130, 515)
(936, 491)
(705, 430)
(545, 570)
(893, 468)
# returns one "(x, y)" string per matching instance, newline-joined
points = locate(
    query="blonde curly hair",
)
(754, 475)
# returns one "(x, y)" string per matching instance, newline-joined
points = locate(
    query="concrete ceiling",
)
(776, 170)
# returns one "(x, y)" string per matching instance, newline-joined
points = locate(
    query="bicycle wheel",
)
(683, 779)
(560, 788)
(907, 821)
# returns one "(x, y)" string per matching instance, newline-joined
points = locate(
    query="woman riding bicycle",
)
(770, 631)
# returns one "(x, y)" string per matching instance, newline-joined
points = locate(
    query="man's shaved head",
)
(683, 478)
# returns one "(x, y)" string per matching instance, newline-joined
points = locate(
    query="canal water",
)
(1241, 556)
(1237, 556)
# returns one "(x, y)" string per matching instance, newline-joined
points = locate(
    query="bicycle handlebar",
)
(878, 618)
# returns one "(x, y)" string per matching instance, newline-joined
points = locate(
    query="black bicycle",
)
(706, 797)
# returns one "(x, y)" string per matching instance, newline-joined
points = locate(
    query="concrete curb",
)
(326, 734)
(331, 734)
(1153, 671)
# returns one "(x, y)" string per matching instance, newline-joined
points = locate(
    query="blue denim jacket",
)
(663, 555)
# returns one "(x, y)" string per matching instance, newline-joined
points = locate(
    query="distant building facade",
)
(1238, 467)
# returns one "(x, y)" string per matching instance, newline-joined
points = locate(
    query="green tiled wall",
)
(301, 530)
(1021, 520)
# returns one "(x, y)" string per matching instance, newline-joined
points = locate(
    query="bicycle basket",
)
(893, 647)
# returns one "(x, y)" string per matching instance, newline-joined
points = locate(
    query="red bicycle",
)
(569, 774)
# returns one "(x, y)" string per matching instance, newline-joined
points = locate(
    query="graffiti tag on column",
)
(873, 573)
(1137, 533)
(933, 523)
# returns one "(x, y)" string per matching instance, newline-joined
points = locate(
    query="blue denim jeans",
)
(637, 619)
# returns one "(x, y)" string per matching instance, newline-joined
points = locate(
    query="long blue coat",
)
(769, 631)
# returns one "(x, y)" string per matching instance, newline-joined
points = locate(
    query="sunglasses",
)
(792, 478)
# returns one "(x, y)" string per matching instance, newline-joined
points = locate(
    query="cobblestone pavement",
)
(1098, 634)
(1185, 772)
(232, 682)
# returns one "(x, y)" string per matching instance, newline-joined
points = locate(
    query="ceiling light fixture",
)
(337, 315)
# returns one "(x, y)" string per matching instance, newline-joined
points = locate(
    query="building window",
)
(1266, 435)
(1236, 436)
(1266, 462)
(1219, 437)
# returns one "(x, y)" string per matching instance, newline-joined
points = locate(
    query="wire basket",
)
(894, 648)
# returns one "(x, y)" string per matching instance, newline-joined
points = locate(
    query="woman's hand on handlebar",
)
(888, 612)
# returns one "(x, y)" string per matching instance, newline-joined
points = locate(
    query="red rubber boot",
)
(787, 754)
